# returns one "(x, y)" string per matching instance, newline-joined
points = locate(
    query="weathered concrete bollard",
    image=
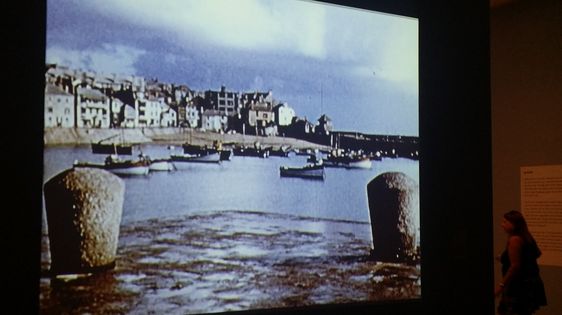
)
(84, 208)
(393, 208)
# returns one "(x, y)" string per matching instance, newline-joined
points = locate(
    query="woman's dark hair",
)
(520, 227)
(518, 221)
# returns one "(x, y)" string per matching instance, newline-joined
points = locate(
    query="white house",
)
(59, 107)
(284, 114)
(213, 120)
(168, 117)
(192, 116)
(260, 116)
(92, 108)
(149, 112)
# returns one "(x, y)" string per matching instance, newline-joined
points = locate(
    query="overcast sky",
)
(358, 67)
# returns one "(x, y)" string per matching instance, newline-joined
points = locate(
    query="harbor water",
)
(234, 236)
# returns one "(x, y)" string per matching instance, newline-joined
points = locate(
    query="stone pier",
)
(84, 208)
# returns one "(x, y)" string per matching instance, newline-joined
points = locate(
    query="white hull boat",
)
(161, 165)
(182, 161)
(348, 162)
(360, 163)
(118, 166)
(130, 170)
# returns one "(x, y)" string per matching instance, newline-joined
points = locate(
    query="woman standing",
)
(521, 288)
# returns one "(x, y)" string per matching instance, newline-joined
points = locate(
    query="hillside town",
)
(77, 98)
(86, 99)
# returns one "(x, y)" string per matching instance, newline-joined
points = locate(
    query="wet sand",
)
(232, 260)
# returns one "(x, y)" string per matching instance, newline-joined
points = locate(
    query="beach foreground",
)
(232, 260)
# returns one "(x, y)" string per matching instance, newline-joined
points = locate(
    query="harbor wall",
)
(173, 136)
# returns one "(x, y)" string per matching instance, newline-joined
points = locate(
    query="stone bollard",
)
(393, 209)
(84, 208)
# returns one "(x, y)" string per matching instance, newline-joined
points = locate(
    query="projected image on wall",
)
(216, 156)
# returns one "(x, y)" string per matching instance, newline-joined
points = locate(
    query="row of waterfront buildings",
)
(86, 99)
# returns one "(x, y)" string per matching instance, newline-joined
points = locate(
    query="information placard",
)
(541, 204)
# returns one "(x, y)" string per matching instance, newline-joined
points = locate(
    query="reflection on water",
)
(233, 260)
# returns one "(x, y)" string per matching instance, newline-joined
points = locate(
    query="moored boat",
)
(180, 161)
(161, 165)
(111, 148)
(118, 166)
(249, 151)
(347, 160)
(359, 162)
(203, 150)
(282, 151)
(193, 149)
(312, 171)
(257, 150)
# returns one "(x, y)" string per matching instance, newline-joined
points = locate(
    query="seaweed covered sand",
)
(232, 260)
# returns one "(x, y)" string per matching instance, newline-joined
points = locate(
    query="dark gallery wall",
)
(455, 176)
(456, 157)
(22, 152)
(526, 89)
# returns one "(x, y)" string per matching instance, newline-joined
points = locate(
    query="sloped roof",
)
(104, 80)
(92, 94)
(261, 107)
(55, 90)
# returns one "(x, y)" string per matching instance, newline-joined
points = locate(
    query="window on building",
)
(49, 109)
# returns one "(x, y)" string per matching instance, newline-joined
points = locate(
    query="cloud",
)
(361, 42)
(396, 57)
(108, 58)
(399, 61)
(258, 25)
